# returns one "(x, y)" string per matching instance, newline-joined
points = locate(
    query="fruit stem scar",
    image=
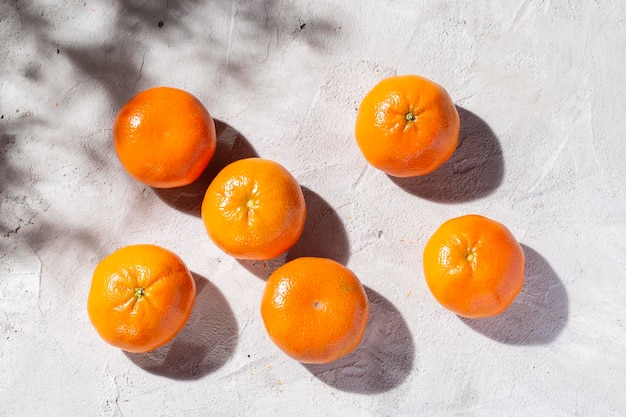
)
(318, 305)
(139, 292)
(410, 117)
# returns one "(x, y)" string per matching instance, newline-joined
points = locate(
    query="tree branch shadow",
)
(539, 312)
(381, 362)
(204, 345)
(474, 171)
(136, 15)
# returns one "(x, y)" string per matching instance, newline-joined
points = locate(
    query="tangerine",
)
(407, 126)
(254, 209)
(473, 266)
(315, 309)
(164, 137)
(140, 297)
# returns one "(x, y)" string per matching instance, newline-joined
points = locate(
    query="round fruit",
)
(315, 310)
(164, 137)
(407, 126)
(141, 296)
(474, 266)
(254, 209)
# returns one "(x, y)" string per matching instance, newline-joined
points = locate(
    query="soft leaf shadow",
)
(323, 236)
(112, 64)
(539, 312)
(474, 171)
(231, 146)
(382, 361)
(204, 345)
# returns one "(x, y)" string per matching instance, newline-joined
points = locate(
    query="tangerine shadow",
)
(381, 362)
(204, 345)
(231, 146)
(474, 170)
(539, 312)
(324, 235)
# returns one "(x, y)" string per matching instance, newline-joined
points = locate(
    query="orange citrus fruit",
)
(254, 209)
(141, 296)
(474, 266)
(315, 309)
(407, 126)
(164, 137)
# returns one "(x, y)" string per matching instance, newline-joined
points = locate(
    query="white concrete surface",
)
(541, 88)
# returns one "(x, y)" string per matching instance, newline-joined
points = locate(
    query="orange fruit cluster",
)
(142, 295)
(408, 126)
(314, 309)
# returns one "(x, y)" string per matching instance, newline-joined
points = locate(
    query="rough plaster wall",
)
(539, 87)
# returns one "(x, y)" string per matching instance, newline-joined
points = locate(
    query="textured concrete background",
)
(540, 87)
